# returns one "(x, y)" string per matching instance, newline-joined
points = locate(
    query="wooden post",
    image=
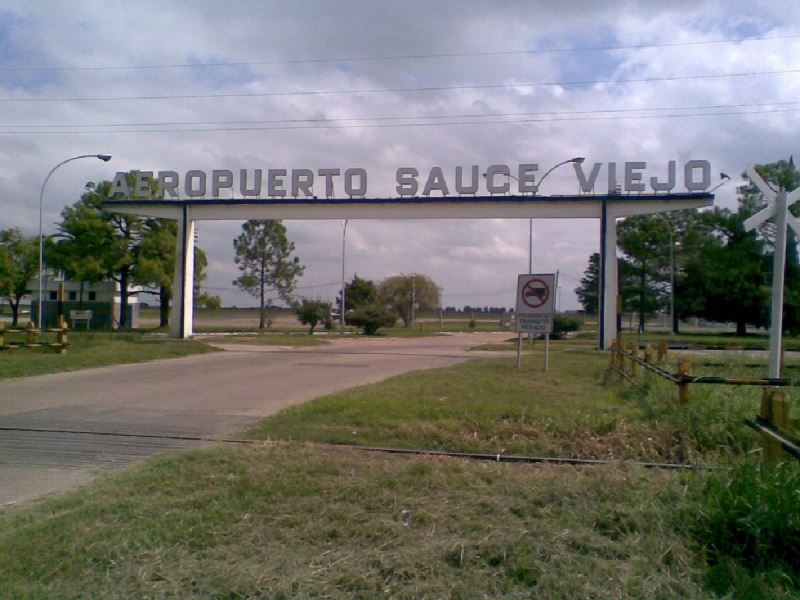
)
(62, 335)
(2, 334)
(612, 359)
(775, 411)
(634, 356)
(648, 354)
(684, 368)
(662, 350)
(33, 334)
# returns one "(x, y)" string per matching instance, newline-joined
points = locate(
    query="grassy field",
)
(297, 522)
(489, 406)
(95, 349)
(290, 518)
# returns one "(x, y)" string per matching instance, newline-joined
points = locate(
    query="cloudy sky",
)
(210, 85)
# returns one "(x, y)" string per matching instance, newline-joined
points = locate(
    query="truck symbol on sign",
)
(539, 292)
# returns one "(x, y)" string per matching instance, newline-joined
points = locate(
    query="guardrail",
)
(772, 422)
(31, 338)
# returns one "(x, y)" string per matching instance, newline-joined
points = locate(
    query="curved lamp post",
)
(578, 160)
(104, 158)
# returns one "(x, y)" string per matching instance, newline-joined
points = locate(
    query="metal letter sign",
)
(535, 300)
(778, 204)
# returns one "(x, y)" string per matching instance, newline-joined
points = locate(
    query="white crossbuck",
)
(771, 209)
(778, 204)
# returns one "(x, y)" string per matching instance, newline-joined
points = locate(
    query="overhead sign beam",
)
(450, 207)
(605, 207)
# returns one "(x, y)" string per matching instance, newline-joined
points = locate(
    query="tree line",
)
(705, 260)
(92, 244)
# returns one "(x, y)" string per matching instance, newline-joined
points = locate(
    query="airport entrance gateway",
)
(498, 203)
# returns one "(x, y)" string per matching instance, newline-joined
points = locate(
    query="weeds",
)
(749, 524)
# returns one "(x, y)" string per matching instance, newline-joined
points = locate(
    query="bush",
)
(562, 325)
(750, 526)
(370, 318)
(312, 312)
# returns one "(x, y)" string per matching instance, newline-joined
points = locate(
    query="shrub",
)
(562, 325)
(750, 526)
(370, 318)
(312, 312)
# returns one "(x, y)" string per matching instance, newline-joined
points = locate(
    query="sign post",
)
(778, 204)
(534, 309)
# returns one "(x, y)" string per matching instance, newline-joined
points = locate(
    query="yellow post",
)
(634, 356)
(775, 411)
(612, 358)
(648, 354)
(33, 334)
(684, 368)
(662, 350)
(62, 335)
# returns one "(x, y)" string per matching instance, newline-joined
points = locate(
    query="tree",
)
(263, 253)
(95, 243)
(730, 275)
(358, 292)
(208, 301)
(397, 293)
(370, 318)
(19, 263)
(312, 312)
(642, 239)
(588, 291)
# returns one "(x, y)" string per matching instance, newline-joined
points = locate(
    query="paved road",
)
(209, 395)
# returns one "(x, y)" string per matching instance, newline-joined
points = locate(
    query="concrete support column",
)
(182, 286)
(609, 287)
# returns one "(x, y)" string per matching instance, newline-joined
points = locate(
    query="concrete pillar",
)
(608, 277)
(182, 287)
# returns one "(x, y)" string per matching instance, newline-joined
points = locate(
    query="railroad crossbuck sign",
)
(778, 204)
(535, 300)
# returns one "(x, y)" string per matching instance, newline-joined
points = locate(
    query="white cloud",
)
(475, 261)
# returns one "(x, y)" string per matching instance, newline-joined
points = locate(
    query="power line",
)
(296, 61)
(438, 88)
(399, 125)
(401, 118)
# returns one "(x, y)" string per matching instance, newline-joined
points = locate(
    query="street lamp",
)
(671, 272)
(341, 308)
(578, 160)
(104, 158)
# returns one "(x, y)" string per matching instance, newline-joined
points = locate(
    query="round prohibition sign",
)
(535, 293)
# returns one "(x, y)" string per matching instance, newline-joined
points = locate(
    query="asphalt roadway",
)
(60, 431)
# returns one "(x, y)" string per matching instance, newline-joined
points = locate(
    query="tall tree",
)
(93, 240)
(263, 253)
(19, 263)
(155, 264)
(642, 239)
(588, 291)
(729, 277)
(398, 291)
(358, 292)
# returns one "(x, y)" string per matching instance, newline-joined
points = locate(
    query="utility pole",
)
(341, 308)
(413, 297)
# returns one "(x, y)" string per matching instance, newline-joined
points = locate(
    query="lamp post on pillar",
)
(778, 204)
(104, 158)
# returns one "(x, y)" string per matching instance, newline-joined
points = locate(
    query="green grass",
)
(298, 522)
(95, 349)
(750, 526)
(491, 407)
(291, 519)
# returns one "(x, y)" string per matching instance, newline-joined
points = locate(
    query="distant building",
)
(101, 298)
